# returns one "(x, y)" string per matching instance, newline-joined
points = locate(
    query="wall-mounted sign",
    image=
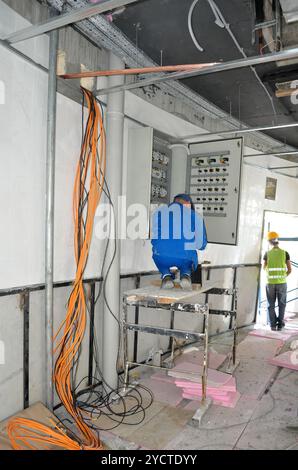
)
(270, 192)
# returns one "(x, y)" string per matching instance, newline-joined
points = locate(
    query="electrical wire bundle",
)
(88, 188)
(85, 407)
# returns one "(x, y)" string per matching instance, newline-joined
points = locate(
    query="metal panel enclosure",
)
(139, 164)
(213, 180)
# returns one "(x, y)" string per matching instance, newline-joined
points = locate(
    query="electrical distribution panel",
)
(213, 181)
(160, 172)
(148, 171)
(139, 163)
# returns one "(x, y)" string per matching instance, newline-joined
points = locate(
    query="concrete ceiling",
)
(159, 28)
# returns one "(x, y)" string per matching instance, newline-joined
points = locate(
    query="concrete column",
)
(180, 153)
(114, 134)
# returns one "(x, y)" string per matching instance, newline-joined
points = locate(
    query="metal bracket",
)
(201, 411)
(230, 366)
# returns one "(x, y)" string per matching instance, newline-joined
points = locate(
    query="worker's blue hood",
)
(185, 197)
(177, 228)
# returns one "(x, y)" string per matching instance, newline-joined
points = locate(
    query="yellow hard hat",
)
(272, 236)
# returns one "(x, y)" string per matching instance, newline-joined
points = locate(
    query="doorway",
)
(286, 225)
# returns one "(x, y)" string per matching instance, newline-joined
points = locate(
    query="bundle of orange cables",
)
(88, 188)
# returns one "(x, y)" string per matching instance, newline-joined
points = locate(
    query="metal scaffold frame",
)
(138, 299)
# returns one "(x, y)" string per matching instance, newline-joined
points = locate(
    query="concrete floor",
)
(262, 418)
(265, 416)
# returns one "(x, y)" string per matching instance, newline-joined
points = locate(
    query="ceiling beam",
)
(245, 130)
(223, 67)
(136, 71)
(282, 167)
(65, 19)
(272, 154)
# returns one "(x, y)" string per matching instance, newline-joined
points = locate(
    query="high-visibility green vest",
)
(276, 266)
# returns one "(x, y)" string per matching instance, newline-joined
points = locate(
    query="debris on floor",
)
(288, 359)
(283, 335)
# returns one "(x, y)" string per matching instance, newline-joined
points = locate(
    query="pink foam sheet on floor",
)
(229, 386)
(215, 359)
(221, 387)
(283, 335)
(192, 357)
(288, 359)
(198, 393)
(193, 373)
(229, 401)
(186, 376)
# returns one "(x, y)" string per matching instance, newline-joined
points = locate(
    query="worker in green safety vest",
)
(278, 266)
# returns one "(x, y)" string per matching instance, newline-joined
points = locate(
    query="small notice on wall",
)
(270, 192)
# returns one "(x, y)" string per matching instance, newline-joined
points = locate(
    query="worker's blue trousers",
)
(164, 263)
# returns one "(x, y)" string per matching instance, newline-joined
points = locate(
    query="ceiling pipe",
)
(223, 67)
(239, 131)
(282, 167)
(64, 20)
(142, 70)
(272, 154)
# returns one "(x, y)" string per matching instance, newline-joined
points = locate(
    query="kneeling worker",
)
(178, 231)
(278, 266)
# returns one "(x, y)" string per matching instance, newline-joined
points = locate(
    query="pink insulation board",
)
(288, 359)
(228, 401)
(283, 335)
(229, 386)
(192, 372)
(215, 360)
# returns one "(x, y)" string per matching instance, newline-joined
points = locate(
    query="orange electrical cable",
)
(24, 433)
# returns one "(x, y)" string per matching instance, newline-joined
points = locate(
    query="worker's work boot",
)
(280, 326)
(185, 282)
(167, 282)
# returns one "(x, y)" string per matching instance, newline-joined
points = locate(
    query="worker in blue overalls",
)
(178, 231)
